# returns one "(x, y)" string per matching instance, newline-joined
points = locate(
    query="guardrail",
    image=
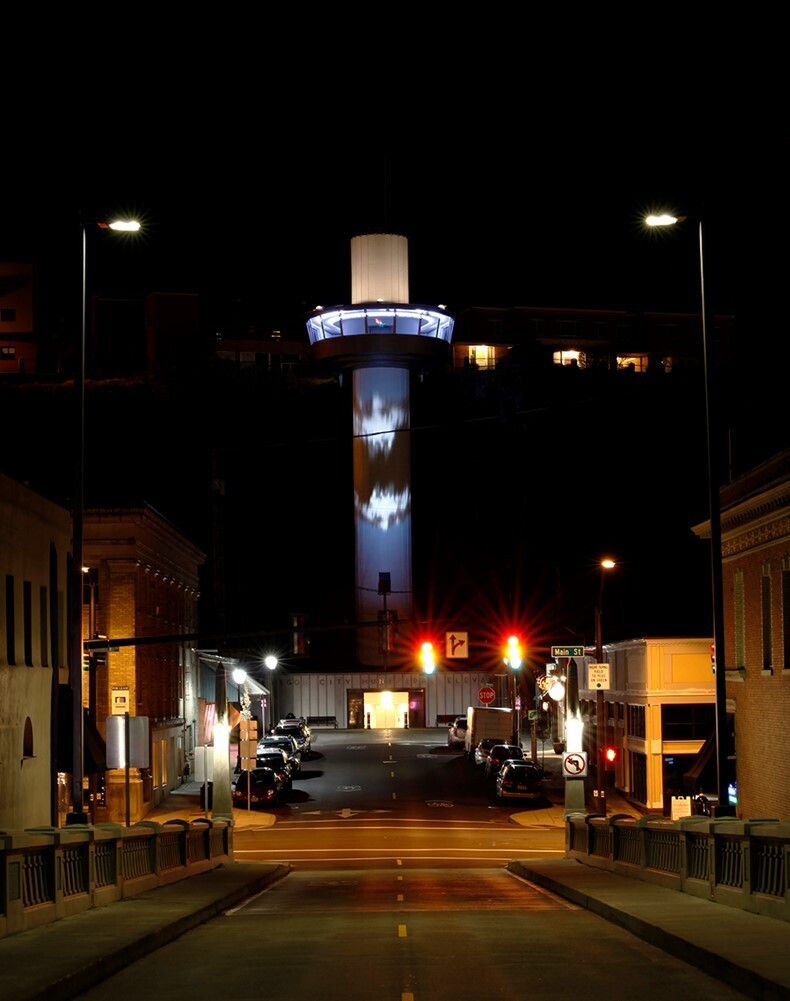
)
(741, 863)
(49, 873)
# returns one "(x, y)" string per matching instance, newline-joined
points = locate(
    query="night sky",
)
(525, 500)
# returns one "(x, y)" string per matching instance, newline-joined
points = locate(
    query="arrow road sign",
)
(456, 645)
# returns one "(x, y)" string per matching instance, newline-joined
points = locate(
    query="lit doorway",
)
(386, 710)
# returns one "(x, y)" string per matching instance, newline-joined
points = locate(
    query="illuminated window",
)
(573, 358)
(481, 356)
(636, 363)
(7, 352)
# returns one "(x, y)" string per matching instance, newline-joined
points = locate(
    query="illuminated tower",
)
(381, 339)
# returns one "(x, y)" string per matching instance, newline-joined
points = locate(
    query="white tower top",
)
(379, 268)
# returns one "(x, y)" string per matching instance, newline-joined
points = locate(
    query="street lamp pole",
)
(600, 706)
(714, 512)
(79, 816)
(76, 653)
(222, 806)
(270, 661)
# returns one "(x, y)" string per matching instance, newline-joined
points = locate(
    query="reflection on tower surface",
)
(382, 340)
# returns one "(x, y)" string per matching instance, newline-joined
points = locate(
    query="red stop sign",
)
(486, 695)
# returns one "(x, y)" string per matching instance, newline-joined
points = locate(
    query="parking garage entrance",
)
(396, 709)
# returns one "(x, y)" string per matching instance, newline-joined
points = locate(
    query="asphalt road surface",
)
(399, 892)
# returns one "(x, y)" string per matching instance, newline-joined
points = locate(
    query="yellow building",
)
(660, 718)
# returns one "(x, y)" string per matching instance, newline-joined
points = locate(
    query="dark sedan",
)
(519, 780)
(265, 789)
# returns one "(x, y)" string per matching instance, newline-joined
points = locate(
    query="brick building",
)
(756, 571)
(142, 583)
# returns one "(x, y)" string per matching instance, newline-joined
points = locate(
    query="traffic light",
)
(610, 755)
(513, 652)
(427, 657)
(299, 638)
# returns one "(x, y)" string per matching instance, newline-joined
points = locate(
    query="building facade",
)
(756, 579)
(660, 714)
(35, 542)
(142, 593)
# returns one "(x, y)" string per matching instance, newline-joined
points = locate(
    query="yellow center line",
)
(399, 898)
(401, 931)
(399, 877)
(407, 996)
(392, 775)
(399, 861)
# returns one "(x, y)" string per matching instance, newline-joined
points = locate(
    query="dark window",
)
(9, 620)
(638, 776)
(765, 603)
(694, 721)
(636, 721)
(54, 638)
(27, 740)
(27, 605)
(42, 624)
(7, 314)
(786, 618)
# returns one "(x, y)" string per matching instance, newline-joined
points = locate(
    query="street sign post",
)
(567, 651)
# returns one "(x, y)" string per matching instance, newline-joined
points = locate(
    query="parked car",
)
(265, 788)
(300, 731)
(483, 749)
(287, 743)
(519, 780)
(499, 754)
(276, 759)
(456, 734)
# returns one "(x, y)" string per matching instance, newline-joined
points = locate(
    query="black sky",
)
(263, 232)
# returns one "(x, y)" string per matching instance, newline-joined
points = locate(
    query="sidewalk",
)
(746, 951)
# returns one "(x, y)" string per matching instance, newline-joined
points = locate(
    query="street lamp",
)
(600, 707)
(78, 816)
(714, 511)
(270, 662)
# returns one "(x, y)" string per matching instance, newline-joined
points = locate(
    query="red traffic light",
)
(611, 754)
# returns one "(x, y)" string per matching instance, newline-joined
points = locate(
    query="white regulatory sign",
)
(597, 675)
(574, 765)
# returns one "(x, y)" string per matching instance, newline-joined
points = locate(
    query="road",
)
(397, 894)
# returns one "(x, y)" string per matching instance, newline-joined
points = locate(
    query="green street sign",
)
(567, 651)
